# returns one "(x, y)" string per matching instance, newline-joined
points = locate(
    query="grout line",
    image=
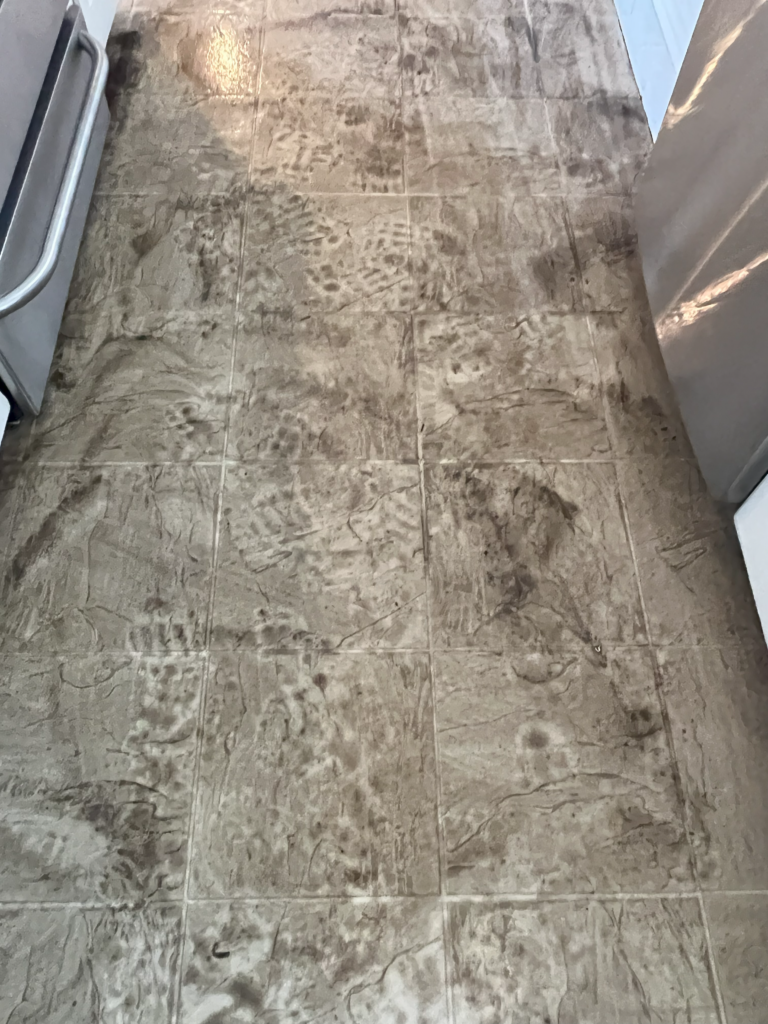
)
(714, 973)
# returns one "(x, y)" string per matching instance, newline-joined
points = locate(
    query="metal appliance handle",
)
(44, 270)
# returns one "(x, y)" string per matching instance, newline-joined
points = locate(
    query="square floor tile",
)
(111, 559)
(355, 963)
(602, 143)
(461, 56)
(580, 49)
(326, 253)
(493, 255)
(605, 240)
(75, 966)
(718, 708)
(340, 386)
(321, 555)
(318, 777)
(496, 387)
(642, 408)
(739, 927)
(193, 145)
(136, 388)
(143, 254)
(556, 775)
(586, 961)
(691, 571)
(459, 144)
(529, 554)
(96, 776)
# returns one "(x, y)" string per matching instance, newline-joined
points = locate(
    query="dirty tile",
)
(496, 387)
(307, 10)
(340, 386)
(464, 57)
(96, 776)
(642, 409)
(318, 777)
(585, 961)
(149, 388)
(556, 775)
(691, 572)
(529, 553)
(602, 143)
(195, 145)
(477, 10)
(458, 145)
(11, 482)
(110, 559)
(580, 49)
(320, 555)
(143, 254)
(463, 261)
(75, 966)
(739, 928)
(605, 241)
(353, 963)
(718, 708)
(326, 253)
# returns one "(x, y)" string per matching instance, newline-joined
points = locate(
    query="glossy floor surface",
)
(371, 651)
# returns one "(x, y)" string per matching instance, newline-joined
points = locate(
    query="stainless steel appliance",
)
(53, 122)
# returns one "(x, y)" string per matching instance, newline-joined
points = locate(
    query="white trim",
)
(752, 528)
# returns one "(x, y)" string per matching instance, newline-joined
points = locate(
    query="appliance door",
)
(39, 212)
(702, 217)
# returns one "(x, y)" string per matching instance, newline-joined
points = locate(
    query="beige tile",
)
(556, 775)
(718, 708)
(458, 145)
(739, 927)
(96, 777)
(326, 253)
(340, 386)
(691, 571)
(306, 10)
(110, 559)
(355, 963)
(586, 961)
(149, 388)
(529, 554)
(321, 555)
(75, 966)
(460, 56)
(496, 387)
(464, 260)
(318, 777)
(475, 10)
(642, 408)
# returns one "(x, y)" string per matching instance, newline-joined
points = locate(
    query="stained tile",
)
(603, 143)
(495, 387)
(355, 963)
(73, 966)
(110, 559)
(580, 49)
(642, 408)
(193, 145)
(739, 927)
(556, 775)
(464, 262)
(326, 253)
(476, 10)
(306, 10)
(529, 553)
(318, 777)
(340, 386)
(605, 240)
(96, 777)
(11, 483)
(691, 571)
(584, 961)
(464, 57)
(320, 555)
(718, 708)
(496, 147)
(144, 254)
(147, 388)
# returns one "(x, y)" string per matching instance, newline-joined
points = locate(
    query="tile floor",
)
(370, 650)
